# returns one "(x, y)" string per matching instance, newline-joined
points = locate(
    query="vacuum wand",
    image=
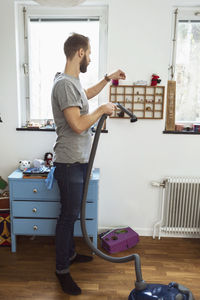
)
(133, 117)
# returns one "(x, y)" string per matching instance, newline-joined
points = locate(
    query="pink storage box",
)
(120, 239)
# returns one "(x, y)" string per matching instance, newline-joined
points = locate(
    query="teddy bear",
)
(24, 164)
(155, 80)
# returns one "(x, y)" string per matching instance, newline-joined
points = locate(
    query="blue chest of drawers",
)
(34, 209)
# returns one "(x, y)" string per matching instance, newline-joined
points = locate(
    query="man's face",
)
(85, 60)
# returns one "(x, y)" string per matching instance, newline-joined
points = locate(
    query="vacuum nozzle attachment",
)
(133, 120)
(133, 117)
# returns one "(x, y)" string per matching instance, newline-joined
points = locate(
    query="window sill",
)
(50, 129)
(34, 129)
(180, 132)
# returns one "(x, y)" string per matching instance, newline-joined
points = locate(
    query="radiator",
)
(180, 208)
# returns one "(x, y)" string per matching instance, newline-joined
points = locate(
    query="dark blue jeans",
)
(70, 179)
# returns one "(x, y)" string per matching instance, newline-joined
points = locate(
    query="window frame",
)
(22, 35)
(183, 14)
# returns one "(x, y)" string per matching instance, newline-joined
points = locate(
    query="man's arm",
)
(96, 89)
(79, 123)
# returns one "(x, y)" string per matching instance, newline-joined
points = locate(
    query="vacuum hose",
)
(140, 283)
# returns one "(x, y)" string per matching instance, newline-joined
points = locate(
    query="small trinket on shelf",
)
(115, 82)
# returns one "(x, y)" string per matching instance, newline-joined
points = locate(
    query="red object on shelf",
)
(115, 82)
(155, 80)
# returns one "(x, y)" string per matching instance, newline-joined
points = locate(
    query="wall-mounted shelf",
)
(146, 102)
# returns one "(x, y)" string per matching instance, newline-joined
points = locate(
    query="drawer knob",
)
(34, 210)
(34, 190)
(35, 227)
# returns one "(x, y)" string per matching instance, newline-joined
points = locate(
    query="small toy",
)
(196, 127)
(24, 164)
(148, 108)
(179, 127)
(115, 82)
(38, 163)
(30, 124)
(140, 82)
(48, 159)
(155, 80)
(128, 100)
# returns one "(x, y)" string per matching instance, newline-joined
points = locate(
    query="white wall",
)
(132, 154)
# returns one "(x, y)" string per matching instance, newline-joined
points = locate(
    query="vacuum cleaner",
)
(142, 290)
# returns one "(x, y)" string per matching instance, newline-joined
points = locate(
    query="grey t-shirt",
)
(70, 146)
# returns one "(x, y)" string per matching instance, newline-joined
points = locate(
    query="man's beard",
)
(83, 65)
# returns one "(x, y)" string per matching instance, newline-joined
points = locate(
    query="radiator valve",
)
(159, 184)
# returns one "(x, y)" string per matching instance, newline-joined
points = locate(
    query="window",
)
(42, 57)
(187, 66)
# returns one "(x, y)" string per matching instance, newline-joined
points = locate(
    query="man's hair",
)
(74, 43)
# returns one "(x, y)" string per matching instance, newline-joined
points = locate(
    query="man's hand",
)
(79, 123)
(108, 108)
(119, 74)
(96, 89)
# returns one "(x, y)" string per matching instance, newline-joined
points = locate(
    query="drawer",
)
(34, 190)
(47, 227)
(92, 195)
(45, 209)
(35, 209)
(30, 189)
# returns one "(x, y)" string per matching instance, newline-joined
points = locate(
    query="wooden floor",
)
(29, 273)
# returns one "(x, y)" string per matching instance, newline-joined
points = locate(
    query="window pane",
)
(188, 72)
(46, 58)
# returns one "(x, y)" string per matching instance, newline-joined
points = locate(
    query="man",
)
(72, 148)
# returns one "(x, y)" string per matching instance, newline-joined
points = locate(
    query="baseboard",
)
(140, 231)
(149, 232)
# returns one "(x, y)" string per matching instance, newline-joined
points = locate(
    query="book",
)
(34, 176)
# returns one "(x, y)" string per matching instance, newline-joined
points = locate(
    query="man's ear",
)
(81, 52)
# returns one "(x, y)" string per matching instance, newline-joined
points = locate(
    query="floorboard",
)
(28, 274)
